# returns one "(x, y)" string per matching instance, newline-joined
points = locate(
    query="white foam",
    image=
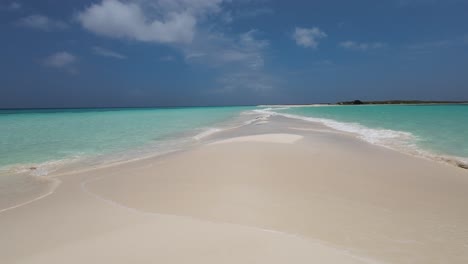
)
(51, 167)
(258, 119)
(39, 169)
(397, 140)
(206, 133)
(374, 136)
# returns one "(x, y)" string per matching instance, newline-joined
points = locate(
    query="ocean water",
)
(48, 138)
(435, 131)
(49, 142)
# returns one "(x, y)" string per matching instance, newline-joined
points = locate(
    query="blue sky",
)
(110, 53)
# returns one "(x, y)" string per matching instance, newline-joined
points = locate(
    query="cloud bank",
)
(160, 21)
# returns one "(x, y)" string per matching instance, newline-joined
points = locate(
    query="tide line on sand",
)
(55, 184)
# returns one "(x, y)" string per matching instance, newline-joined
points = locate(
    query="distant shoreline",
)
(355, 102)
(398, 102)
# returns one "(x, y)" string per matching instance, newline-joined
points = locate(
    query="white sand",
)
(267, 194)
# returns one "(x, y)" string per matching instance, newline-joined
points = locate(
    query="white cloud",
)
(308, 37)
(162, 21)
(42, 22)
(240, 60)
(108, 53)
(245, 50)
(14, 6)
(352, 45)
(177, 23)
(60, 60)
(189, 26)
(249, 41)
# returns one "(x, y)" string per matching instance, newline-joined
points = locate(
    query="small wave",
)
(258, 119)
(374, 136)
(157, 147)
(238, 123)
(397, 140)
(273, 108)
(206, 133)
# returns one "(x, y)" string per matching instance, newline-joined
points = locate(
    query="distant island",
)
(359, 102)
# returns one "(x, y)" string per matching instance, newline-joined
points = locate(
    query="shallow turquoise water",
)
(37, 136)
(32, 137)
(440, 129)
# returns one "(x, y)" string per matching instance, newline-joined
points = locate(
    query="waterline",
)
(401, 128)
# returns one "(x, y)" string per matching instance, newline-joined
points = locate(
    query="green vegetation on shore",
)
(359, 102)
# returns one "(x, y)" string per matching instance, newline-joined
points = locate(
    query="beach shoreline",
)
(401, 140)
(275, 190)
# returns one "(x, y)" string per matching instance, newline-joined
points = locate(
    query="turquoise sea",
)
(435, 131)
(50, 138)
(47, 139)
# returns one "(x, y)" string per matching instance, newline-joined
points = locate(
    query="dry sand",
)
(281, 191)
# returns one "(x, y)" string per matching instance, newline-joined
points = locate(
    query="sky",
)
(146, 53)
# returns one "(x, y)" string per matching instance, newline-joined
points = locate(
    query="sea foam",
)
(396, 140)
(206, 133)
